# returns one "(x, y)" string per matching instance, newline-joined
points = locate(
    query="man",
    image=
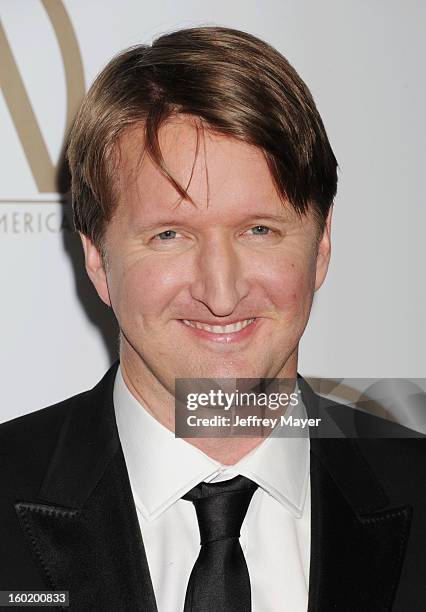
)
(203, 183)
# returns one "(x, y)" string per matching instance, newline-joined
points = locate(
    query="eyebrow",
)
(175, 221)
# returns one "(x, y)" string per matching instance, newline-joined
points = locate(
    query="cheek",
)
(290, 286)
(142, 289)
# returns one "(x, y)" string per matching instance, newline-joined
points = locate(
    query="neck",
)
(227, 451)
(160, 403)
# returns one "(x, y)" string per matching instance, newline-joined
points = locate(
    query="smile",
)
(220, 329)
(233, 333)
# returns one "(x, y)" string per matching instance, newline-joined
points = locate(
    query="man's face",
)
(238, 254)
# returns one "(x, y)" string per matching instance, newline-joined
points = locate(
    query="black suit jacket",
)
(68, 520)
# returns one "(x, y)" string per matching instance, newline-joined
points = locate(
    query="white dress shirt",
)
(275, 535)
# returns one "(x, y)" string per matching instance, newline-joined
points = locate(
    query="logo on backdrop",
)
(44, 170)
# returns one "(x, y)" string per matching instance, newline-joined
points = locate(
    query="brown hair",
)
(236, 84)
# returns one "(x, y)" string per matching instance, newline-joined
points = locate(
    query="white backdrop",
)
(364, 62)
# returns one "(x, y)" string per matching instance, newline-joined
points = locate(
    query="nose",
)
(220, 281)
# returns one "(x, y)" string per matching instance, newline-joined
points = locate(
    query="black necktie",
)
(219, 581)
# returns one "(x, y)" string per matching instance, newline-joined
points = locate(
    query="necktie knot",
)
(221, 507)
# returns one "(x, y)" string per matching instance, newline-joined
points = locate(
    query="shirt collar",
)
(163, 468)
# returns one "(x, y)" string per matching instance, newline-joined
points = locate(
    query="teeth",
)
(220, 329)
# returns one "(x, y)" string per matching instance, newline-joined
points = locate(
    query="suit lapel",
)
(357, 541)
(82, 527)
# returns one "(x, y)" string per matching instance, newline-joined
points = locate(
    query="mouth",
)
(233, 332)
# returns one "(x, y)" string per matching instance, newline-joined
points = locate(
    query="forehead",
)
(219, 173)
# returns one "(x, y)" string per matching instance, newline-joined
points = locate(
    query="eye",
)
(261, 228)
(166, 235)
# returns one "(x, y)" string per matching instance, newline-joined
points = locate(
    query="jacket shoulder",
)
(355, 422)
(38, 423)
(394, 454)
(27, 442)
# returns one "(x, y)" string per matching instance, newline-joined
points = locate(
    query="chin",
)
(230, 371)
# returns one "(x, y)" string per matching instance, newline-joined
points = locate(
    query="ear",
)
(95, 268)
(324, 252)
